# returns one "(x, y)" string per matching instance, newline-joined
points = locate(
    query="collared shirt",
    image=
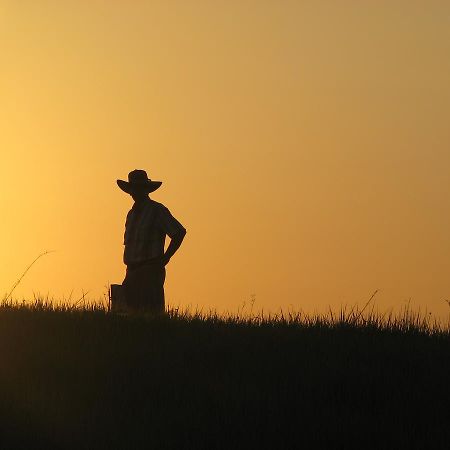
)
(146, 228)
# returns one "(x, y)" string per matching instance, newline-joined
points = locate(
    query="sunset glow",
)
(305, 146)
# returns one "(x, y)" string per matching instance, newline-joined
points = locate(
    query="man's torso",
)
(146, 228)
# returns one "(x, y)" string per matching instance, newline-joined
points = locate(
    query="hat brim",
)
(148, 187)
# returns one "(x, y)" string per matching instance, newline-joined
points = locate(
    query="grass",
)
(79, 377)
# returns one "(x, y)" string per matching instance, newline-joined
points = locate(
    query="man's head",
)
(139, 195)
(139, 185)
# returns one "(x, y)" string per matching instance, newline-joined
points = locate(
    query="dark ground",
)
(87, 380)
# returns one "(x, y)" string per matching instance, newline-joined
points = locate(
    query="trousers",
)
(144, 287)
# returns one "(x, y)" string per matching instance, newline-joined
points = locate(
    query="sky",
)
(304, 145)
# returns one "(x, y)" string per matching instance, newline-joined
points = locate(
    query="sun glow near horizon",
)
(304, 145)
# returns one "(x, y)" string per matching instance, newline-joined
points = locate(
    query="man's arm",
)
(175, 242)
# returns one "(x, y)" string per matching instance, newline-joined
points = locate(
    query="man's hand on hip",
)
(165, 259)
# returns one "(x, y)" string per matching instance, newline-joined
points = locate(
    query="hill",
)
(86, 379)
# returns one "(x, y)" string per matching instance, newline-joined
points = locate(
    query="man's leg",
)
(154, 300)
(133, 288)
(144, 288)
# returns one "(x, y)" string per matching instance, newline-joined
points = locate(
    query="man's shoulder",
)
(150, 204)
(158, 206)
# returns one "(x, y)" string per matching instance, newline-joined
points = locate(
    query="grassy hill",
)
(86, 379)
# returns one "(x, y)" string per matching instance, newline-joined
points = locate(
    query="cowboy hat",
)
(138, 181)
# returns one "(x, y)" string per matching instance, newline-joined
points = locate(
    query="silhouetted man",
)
(148, 222)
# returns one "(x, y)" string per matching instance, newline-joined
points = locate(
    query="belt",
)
(149, 262)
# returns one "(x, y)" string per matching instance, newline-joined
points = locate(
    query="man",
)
(148, 222)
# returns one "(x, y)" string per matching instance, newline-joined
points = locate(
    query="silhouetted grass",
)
(79, 377)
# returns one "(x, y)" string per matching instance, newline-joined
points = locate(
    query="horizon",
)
(305, 148)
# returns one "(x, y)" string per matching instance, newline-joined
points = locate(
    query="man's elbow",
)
(181, 234)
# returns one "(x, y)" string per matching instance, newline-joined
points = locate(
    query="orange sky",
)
(305, 145)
